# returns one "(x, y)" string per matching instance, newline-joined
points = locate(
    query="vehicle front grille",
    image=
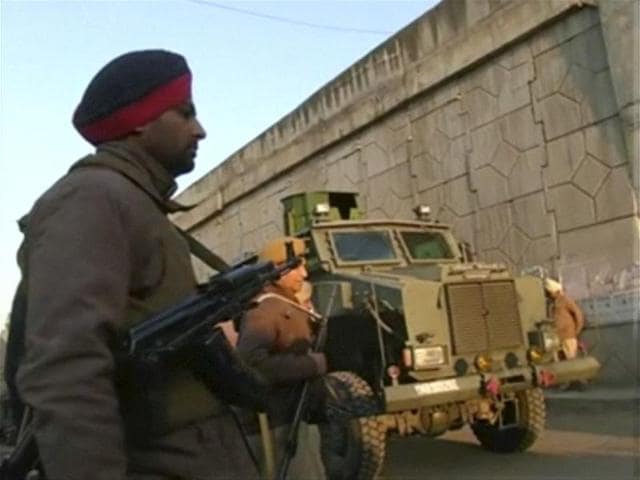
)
(483, 316)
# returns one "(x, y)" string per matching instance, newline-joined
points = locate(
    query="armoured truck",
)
(441, 339)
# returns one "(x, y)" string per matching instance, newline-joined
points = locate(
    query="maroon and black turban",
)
(130, 91)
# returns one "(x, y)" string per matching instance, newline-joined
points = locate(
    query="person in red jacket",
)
(276, 338)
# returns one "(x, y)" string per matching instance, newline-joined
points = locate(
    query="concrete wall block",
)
(616, 196)
(435, 197)
(530, 215)
(601, 102)
(526, 175)
(484, 142)
(516, 93)
(376, 159)
(399, 179)
(482, 107)
(551, 68)
(224, 245)
(454, 163)
(515, 244)
(588, 50)
(437, 145)
(458, 196)
(422, 128)
(541, 251)
(564, 155)
(388, 196)
(394, 139)
(520, 130)
(559, 114)
(505, 158)
(427, 170)
(464, 230)
(590, 175)
(573, 208)
(578, 83)
(564, 30)
(310, 177)
(606, 143)
(493, 224)
(450, 120)
(494, 78)
(492, 186)
(446, 215)
(345, 173)
(497, 256)
(250, 216)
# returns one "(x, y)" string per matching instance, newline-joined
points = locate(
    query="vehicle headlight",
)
(428, 357)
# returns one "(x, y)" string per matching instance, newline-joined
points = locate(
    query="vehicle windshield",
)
(364, 246)
(426, 245)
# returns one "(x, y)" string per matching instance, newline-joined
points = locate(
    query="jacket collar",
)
(140, 168)
(273, 288)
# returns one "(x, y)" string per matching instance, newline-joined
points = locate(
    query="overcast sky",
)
(253, 62)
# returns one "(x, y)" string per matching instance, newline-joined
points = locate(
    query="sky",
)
(252, 63)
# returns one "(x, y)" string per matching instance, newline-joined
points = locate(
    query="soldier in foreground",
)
(99, 256)
(275, 338)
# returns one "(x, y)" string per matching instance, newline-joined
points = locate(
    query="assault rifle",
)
(185, 333)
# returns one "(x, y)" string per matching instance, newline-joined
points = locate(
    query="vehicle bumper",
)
(583, 368)
(460, 389)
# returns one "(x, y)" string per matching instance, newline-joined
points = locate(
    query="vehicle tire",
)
(353, 448)
(523, 434)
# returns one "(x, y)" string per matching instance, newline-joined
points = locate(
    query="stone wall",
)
(514, 120)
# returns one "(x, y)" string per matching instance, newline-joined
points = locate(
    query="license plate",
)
(438, 386)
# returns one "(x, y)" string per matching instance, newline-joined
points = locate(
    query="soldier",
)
(275, 338)
(99, 256)
(568, 318)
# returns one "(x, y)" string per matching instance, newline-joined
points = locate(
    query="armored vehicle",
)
(442, 340)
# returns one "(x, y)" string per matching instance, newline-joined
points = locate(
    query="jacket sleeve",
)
(256, 343)
(78, 265)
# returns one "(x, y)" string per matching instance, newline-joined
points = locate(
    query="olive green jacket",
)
(100, 256)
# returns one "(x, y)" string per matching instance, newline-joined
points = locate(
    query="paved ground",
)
(590, 435)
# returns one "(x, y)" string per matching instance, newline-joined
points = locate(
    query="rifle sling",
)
(198, 250)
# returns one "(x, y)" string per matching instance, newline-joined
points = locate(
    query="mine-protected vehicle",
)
(441, 339)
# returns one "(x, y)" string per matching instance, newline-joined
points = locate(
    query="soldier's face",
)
(292, 281)
(172, 138)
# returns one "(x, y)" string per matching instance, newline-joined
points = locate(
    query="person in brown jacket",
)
(275, 338)
(100, 255)
(568, 318)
